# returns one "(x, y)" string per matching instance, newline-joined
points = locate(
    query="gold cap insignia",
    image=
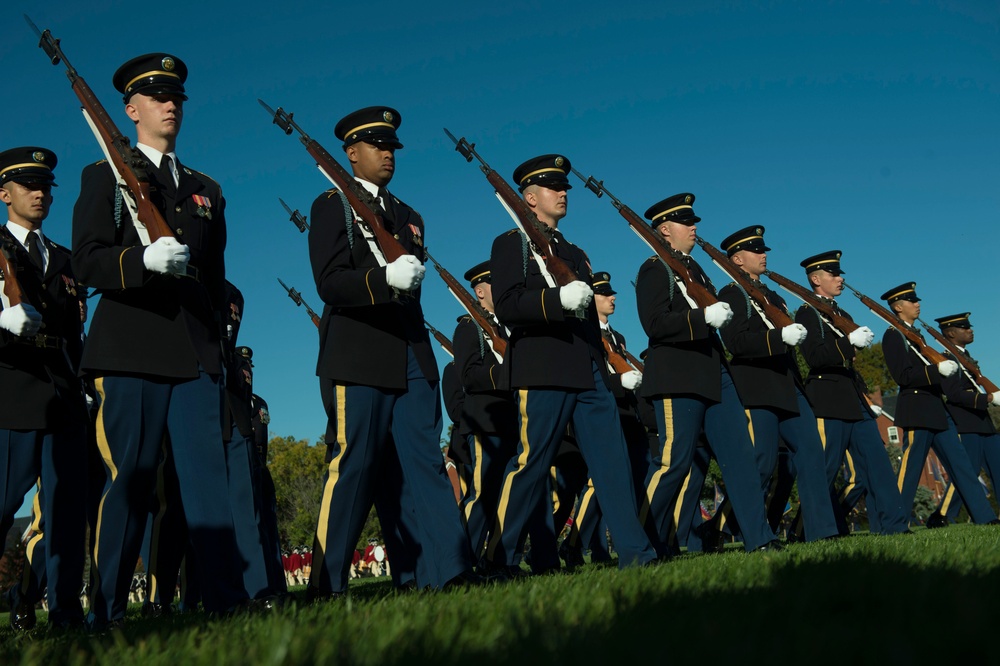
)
(38, 156)
(687, 199)
(838, 255)
(168, 64)
(760, 232)
(560, 161)
(387, 116)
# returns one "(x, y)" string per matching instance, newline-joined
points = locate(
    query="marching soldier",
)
(267, 513)
(378, 377)
(44, 417)
(589, 520)
(920, 411)
(556, 364)
(153, 346)
(689, 379)
(768, 382)
(968, 406)
(836, 391)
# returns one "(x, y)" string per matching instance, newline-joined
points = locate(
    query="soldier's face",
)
(681, 236)
(374, 162)
(549, 205)
(27, 204)
(156, 116)
(605, 304)
(960, 336)
(754, 263)
(484, 292)
(908, 310)
(827, 284)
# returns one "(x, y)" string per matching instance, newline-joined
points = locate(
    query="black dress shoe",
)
(465, 579)
(712, 540)
(314, 596)
(150, 609)
(22, 616)
(995, 521)
(936, 520)
(499, 573)
(770, 547)
(573, 557)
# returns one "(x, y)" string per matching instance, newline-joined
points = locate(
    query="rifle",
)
(776, 315)
(441, 338)
(839, 321)
(962, 359)
(914, 338)
(472, 306)
(297, 298)
(297, 218)
(8, 272)
(668, 255)
(129, 163)
(357, 196)
(539, 234)
(616, 360)
(634, 361)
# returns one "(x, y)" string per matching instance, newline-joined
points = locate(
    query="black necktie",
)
(33, 252)
(383, 195)
(167, 169)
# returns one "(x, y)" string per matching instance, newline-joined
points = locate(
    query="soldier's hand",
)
(631, 380)
(947, 368)
(718, 314)
(861, 337)
(21, 319)
(996, 398)
(575, 295)
(876, 409)
(405, 273)
(793, 334)
(166, 256)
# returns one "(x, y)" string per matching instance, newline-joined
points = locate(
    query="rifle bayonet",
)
(297, 218)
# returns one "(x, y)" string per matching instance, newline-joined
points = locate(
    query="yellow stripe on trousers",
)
(102, 446)
(522, 397)
(333, 475)
(668, 444)
(161, 510)
(906, 460)
(38, 535)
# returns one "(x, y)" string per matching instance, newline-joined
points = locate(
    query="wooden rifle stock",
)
(636, 363)
(130, 164)
(840, 322)
(615, 360)
(668, 255)
(391, 248)
(914, 338)
(962, 359)
(776, 315)
(472, 306)
(539, 234)
(442, 339)
(8, 270)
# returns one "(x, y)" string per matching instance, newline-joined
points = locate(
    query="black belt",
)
(41, 340)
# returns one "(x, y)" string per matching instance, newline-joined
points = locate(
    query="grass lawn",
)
(926, 598)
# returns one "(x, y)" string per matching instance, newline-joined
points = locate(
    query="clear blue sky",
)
(870, 127)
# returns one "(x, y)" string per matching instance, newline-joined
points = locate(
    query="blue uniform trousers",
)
(364, 418)
(136, 414)
(956, 461)
(57, 460)
(239, 450)
(591, 529)
(543, 415)
(687, 511)
(165, 537)
(984, 453)
(266, 512)
(489, 454)
(870, 464)
(680, 421)
(803, 440)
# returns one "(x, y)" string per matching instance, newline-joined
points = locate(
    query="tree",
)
(923, 503)
(870, 364)
(297, 469)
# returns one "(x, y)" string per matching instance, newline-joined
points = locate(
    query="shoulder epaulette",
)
(331, 192)
(513, 231)
(191, 171)
(464, 317)
(99, 162)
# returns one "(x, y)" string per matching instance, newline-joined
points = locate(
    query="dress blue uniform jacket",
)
(920, 403)
(966, 403)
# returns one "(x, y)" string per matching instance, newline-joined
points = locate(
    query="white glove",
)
(718, 314)
(405, 273)
(996, 398)
(631, 380)
(166, 256)
(575, 295)
(876, 409)
(861, 337)
(947, 368)
(21, 319)
(793, 334)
